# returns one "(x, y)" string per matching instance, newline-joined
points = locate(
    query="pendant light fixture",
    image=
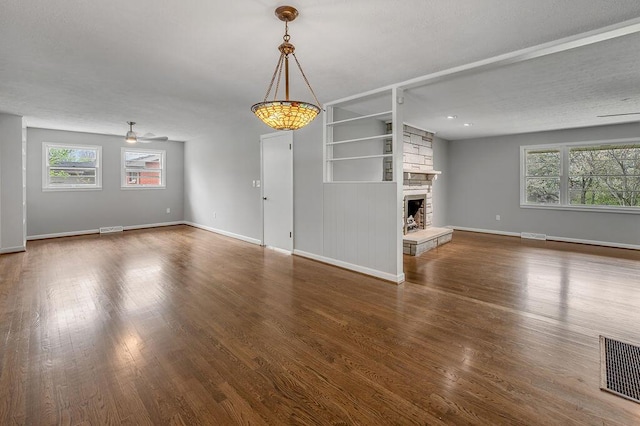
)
(131, 135)
(286, 114)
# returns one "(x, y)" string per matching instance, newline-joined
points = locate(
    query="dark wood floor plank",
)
(181, 326)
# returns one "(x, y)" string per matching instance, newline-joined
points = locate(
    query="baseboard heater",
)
(533, 236)
(111, 229)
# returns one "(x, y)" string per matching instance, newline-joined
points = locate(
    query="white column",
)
(12, 200)
(397, 141)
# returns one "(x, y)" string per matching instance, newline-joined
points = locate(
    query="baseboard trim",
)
(154, 225)
(97, 231)
(485, 231)
(552, 238)
(594, 243)
(225, 233)
(62, 234)
(16, 249)
(397, 279)
(279, 250)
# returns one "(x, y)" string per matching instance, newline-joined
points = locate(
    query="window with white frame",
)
(543, 168)
(603, 175)
(143, 168)
(71, 167)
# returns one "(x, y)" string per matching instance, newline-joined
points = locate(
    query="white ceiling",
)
(180, 68)
(562, 90)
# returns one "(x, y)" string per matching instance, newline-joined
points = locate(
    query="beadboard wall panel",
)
(360, 224)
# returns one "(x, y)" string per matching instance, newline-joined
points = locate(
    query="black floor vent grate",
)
(620, 368)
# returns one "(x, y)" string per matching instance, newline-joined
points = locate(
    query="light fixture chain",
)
(273, 78)
(306, 80)
(279, 78)
(286, 37)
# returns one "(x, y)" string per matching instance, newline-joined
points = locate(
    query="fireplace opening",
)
(414, 213)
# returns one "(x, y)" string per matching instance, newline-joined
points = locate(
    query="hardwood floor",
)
(179, 325)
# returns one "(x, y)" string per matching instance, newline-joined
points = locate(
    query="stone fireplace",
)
(418, 177)
(417, 173)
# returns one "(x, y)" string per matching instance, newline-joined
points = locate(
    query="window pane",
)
(69, 167)
(543, 163)
(72, 157)
(71, 176)
(143, 168)
(142, 160)
(144, 178)
(605, 175)
(542, 181)
(133, 178)
(543, 190)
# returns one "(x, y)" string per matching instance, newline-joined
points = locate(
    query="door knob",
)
(264, 198)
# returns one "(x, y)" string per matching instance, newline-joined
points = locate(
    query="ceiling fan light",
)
(131, 137)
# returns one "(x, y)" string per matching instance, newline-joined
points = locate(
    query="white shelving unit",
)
(362, 183)
(354, 138)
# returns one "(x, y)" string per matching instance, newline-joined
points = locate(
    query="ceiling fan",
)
(619, 115)
(132, 137)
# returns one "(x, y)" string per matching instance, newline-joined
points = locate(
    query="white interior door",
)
(277, 190)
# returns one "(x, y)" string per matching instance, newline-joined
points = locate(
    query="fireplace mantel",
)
(413, 171)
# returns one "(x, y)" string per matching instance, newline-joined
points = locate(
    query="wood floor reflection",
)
(179, 325)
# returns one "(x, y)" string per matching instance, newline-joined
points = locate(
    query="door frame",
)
(262, 138)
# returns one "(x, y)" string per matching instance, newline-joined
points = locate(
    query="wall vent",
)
(111, 229)
(533, 236)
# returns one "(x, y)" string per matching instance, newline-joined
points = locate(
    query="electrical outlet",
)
(215, 215)
(254, 184)
(497, 217)
(257, 184)
(168, 210)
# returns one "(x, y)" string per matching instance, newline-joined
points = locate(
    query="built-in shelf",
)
(363, 157)
(356, 141)
(341, 182)
(368, 138)
(362, 117)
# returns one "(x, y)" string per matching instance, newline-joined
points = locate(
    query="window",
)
(71, 167)
(143, 168)
(603, 175)
(542, 176)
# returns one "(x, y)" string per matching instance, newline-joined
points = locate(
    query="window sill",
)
(598, 209)
(71, 189)
(137, 188)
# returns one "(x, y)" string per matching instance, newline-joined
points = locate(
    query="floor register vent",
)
(620, 368)
(111, 229)
(532, 236)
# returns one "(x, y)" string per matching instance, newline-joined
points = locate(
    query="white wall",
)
(361, 226)
(485, 178)
(11, 181)
(440, 188)
(308, 188)
(222, 167)
(59, 212)
(219, 175)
